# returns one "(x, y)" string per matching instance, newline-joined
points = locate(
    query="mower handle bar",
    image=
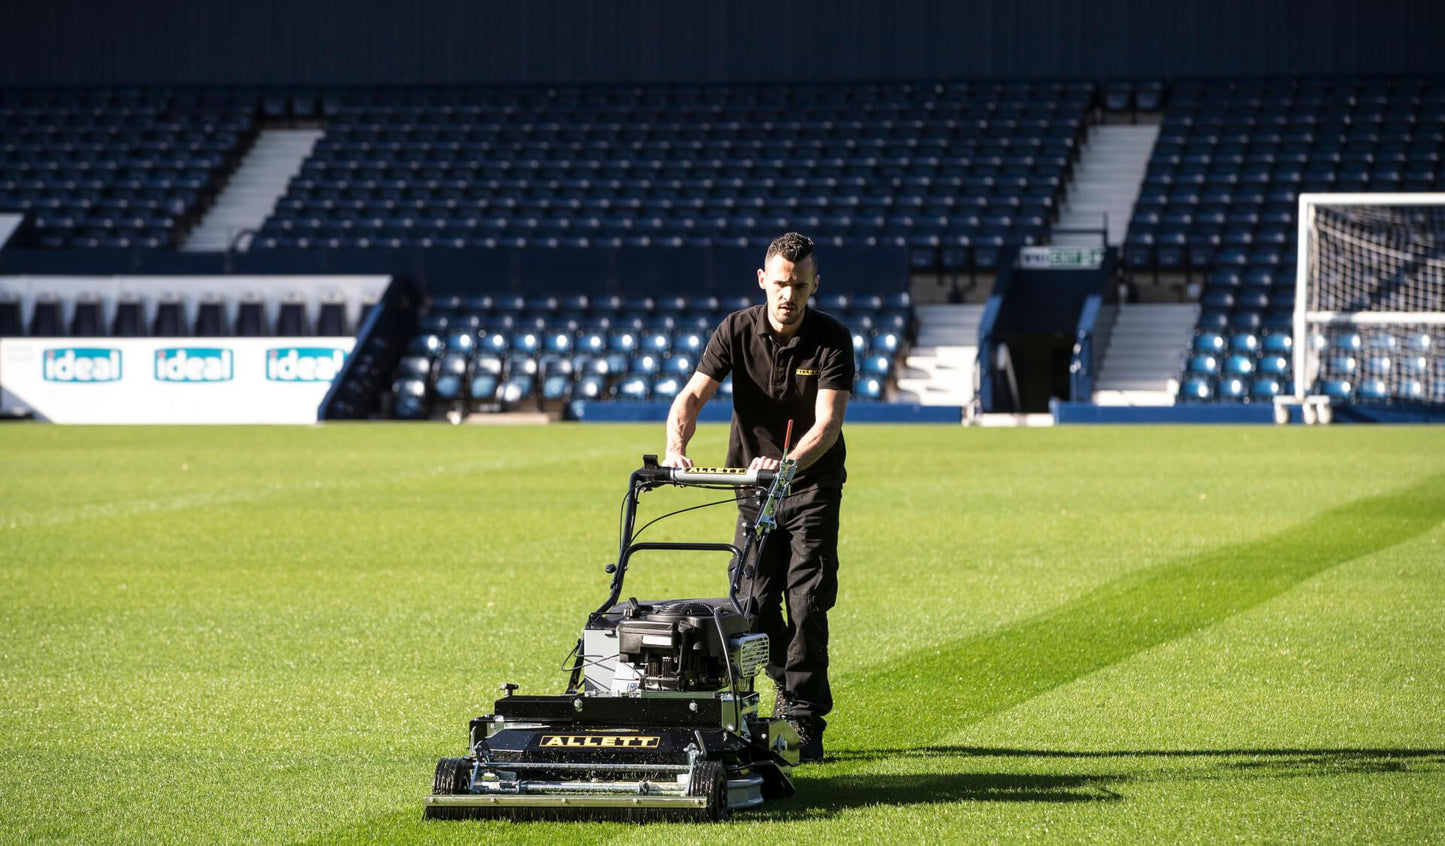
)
(734, 477)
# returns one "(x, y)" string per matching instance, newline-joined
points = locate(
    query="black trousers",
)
(795, 585)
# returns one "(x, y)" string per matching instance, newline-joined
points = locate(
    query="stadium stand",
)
(491, 353)
(124, 168)
(1222, 189)
(954, 171)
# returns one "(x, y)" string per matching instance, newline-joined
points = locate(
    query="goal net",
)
(1369, 321)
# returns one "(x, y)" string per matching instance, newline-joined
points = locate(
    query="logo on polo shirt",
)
(803, 371)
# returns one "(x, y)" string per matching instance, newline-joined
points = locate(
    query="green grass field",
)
(1071, 635)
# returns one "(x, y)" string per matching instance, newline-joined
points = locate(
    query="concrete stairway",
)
(1145, 355)
(251, 194)
(1106, 182)
(939, 369)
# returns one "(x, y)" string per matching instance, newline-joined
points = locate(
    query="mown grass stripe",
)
(966, 681)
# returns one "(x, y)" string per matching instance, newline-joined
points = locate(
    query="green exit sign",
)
(1061, 258)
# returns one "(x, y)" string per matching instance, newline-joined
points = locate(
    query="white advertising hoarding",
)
(169, 380)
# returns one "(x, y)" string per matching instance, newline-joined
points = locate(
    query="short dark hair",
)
(791, 246)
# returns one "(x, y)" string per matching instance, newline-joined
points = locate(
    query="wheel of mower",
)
(711, 780)
(453, 777)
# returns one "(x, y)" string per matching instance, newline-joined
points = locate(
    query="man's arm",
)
(829, 408)
(682, 418)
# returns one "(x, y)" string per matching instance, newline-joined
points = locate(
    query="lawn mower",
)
(660, 717)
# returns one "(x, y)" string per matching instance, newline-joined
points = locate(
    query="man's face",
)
(787, 287)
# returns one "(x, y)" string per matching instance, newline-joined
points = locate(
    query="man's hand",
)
(761, 463)
(676, 459)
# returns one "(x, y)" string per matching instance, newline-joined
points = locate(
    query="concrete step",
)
(1135, 397)
(1106, 181)
(254, 187)
(939, 369)
(1146, 352)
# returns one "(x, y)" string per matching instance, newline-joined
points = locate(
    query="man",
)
(792, 364)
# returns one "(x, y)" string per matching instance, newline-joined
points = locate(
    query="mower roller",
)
(660, 717)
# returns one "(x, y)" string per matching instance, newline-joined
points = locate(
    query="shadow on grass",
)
(830, 794)
(1369, 759)
(827, 794)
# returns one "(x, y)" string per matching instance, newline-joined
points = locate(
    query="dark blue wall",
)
(66, 42)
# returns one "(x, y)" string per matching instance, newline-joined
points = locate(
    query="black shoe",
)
(810, 741)
(812, 751)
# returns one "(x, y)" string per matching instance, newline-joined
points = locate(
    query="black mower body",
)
(660, 720)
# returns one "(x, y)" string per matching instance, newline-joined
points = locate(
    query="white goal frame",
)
(1303, 318)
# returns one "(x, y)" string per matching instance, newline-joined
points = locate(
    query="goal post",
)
(1369, 312)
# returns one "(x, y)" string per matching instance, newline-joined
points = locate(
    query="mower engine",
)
(677, 645)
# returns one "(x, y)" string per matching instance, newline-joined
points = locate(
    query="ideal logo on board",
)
(195, 364)
(304, 364)
(81, 364)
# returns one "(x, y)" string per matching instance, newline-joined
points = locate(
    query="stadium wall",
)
(314, 42)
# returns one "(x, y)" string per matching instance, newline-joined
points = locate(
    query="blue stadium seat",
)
(623, 342)
(1272, 364)
(415, 367)
(409, 399)
(556, 387)
(647, 364)
(1373, 390)
(461, 341)
(1246, 321)
(1348, 342)
(451, 376)
(1238, 365)
(1233, 388)
(1203, 364)
(1281, 343)
(680, 365)
(634, 388)
(1266, 388)
(1209, 342)
(525, 343)
(878, 366)
(496, 343)
(1196, 389)
(1244, 342)
(1377, 364)
(489, 363)
(1415, 367)
(1213, 322)
(666, 387)
(590, 387)
(690, 343)
(1342, 365)
(1381, 342)
(868, 389)
(514, 390)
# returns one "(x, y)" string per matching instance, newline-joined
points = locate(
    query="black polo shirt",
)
(777, 380)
